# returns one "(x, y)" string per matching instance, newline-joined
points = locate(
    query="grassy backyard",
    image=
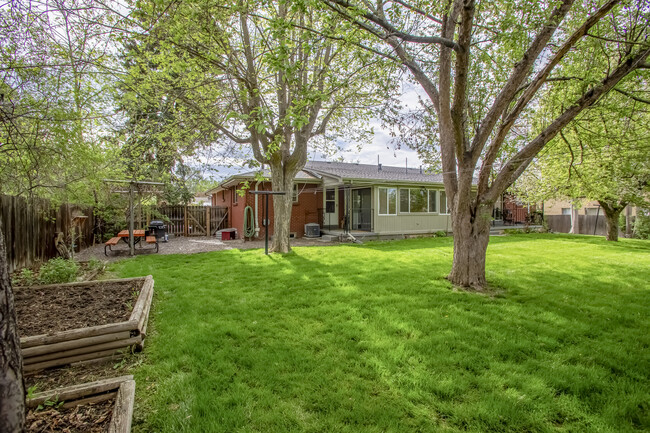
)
(371, 338)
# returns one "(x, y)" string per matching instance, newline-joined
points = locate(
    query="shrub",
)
(95, 263)
(58, 270)
(26, 277)
(513, 231)
(440, 234)
(642, 224)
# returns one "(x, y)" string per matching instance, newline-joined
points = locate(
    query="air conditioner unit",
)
(312, 230)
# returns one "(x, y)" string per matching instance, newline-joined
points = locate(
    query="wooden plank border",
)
(122, 389)
(123, 410)
(94, 342)
(75, 392)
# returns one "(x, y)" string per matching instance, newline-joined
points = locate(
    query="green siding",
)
(407, 223)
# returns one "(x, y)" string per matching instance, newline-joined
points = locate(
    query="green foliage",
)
(440, 234)
(642, 224)
(373, 338)
(54, 101)
(58, 270)
(94, 264)
(26, 277)
(31, 391)
(50, 404)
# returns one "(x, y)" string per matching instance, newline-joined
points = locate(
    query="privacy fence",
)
(586, 224)
(193, 220)
(31, 228)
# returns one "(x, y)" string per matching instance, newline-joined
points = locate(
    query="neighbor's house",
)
(585, 207)
(346, 197)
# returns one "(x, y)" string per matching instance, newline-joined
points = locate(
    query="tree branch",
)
(393, 31)
(631, 96)
(518, 163)
(531, 90)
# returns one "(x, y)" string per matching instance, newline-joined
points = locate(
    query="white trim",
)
(440, 203)
(387, 201)
(437, 191)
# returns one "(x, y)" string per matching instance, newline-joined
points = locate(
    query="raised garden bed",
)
(82, 322)
(101, 406)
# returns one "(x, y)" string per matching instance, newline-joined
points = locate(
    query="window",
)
(415, 200)
(235, 196)
(433, 201)
(592, 211)
(330, 201)
(295, 193)
(443, 203)
(566, 211)
(387, 201)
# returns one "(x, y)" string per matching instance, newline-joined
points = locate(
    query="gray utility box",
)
(312, 230)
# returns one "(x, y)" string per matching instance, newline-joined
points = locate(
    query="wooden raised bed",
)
(90, 343)
(122, 389)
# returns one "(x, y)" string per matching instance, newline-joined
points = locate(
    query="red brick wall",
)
(305, 211)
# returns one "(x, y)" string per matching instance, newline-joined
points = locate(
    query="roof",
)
(345, 171)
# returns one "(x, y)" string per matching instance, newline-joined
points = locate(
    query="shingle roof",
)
(345, 170)
(348, 170)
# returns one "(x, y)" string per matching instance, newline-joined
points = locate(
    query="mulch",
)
(54, 309)
(87, 418)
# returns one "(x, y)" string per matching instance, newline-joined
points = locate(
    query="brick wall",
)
(303, 212)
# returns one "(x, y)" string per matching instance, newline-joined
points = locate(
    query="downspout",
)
(257, 222)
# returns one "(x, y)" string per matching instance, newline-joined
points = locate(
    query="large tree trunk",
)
(12, 386)
(282, 180)
(471, 231)
(612, 213)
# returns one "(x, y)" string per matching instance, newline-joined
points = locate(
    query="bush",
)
(94, 264)
(26, 277)
(642, 224)
(513, 231)
(58, 270)
(440, 234)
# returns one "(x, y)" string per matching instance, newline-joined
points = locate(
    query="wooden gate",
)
(194, 220)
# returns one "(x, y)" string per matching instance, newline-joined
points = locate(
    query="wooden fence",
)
(194, 220)
(586, 224)
(31, 226)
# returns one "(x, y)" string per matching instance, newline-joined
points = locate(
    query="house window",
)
(235, 196)
(591, 211)
(433, 201)
(444, 208)
(414, 200)
(387, 201)
(566, 211)
(295, 193)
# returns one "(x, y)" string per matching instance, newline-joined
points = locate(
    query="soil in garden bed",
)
(86, 418)
(55, 309)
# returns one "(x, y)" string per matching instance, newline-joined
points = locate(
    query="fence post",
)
(185, 231)
(208, 230)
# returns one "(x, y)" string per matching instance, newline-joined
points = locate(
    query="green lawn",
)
(372, 338)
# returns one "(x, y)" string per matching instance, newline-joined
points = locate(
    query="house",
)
(585, 207)
(346, 197)
(200, 200)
